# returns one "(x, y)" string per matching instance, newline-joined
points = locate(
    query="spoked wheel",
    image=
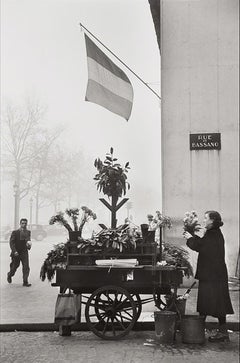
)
(110, 312)
(138, 304)
(136, 299)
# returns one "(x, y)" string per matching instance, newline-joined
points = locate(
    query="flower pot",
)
(72, 247)
(73, 235)
(144, 229)
(148, 236)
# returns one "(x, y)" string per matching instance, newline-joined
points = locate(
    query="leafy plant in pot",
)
(75, 233)
(112, 181)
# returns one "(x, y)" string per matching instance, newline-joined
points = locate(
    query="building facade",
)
(200, 95)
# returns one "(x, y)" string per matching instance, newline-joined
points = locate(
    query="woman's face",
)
(207, 221)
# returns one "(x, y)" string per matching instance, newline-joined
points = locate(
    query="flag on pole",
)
(108, 85)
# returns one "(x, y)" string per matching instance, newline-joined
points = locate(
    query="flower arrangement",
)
(56, 258)
(158, 221)
(73, 214)
(190, 222)
(177, 256)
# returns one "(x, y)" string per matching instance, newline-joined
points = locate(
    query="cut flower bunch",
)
(158, 221)
(190, 222)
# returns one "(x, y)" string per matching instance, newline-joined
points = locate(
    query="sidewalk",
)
(36, 304)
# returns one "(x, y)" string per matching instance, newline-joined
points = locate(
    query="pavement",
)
(85, 347)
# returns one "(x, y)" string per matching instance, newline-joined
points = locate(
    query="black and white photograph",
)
(119, 208)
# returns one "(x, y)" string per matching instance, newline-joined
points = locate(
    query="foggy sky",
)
(43, 57)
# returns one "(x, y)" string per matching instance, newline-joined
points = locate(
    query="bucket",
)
(193, 329)
(179, 306)
(164, 326)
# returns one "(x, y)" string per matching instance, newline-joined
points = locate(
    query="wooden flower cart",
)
(113, 295)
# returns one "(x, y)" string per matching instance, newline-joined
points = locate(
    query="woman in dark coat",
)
(213, 294)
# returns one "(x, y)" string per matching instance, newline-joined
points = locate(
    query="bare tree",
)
(25, 142)
(66, 177)
(40, 167)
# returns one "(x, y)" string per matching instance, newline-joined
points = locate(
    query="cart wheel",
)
(110, 312)
(138, 304)
(136, 299)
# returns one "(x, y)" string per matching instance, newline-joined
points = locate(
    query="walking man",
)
(20, 244)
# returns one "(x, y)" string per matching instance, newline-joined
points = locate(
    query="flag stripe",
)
(102, 96)
(95, 53)
(98, 73)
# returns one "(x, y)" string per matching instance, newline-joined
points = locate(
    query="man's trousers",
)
(22, 257)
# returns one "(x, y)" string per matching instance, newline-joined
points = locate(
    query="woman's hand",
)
(187, 235)
(201, 232)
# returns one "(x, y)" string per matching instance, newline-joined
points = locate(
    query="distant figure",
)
(20, 244)
(213, 293)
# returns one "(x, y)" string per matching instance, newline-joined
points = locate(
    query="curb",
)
(144, 326)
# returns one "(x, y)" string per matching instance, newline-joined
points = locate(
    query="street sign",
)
(205, 141)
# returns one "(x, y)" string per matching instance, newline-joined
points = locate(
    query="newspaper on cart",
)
(124, 262)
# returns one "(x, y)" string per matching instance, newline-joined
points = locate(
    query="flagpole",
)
(140, 79)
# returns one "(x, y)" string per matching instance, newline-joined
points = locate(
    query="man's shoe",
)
(9, 278)
(219, 337)
(27, 284)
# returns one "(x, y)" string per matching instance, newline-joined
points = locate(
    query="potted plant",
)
(152, 231)
(73, 213)
(111, 179)
(110, 240)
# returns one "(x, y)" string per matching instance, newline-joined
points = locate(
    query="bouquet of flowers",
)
(190, 222)
(73, 214)
(158, 221)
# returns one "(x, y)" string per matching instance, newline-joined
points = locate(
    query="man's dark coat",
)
(16, 244)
